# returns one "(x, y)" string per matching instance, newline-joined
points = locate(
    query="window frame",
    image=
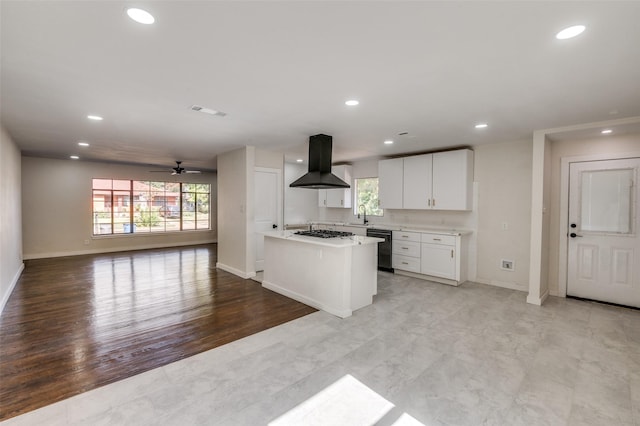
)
(104, 189)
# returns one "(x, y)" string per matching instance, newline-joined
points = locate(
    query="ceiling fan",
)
(177, 170)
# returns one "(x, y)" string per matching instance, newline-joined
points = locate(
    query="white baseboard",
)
(235, 271)
(14, 281)
(114, 250)
(503, 284)
(538, 301)
(306, 300)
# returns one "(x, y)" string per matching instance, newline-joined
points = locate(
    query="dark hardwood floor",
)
(76, 323)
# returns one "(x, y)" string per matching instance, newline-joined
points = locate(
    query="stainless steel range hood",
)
(319, 175)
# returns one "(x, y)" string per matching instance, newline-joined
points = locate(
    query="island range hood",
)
(319, 175)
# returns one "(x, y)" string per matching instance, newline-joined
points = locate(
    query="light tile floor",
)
(472, 355)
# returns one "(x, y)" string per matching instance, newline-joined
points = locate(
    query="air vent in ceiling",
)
(209, 111)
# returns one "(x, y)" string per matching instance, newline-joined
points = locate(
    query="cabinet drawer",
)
(406, 236)
(406, 248)
(449, 240)
(405, 263)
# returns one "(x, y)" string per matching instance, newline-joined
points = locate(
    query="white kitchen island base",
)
(338, 276)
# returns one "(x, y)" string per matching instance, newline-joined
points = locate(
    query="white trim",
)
(114, 250)
(593, 125)
(342, 313)
(538, 300)
(235, 271)
(563, 246)
(14, 281)
(431, 278)
(504, 284)
(537, 208)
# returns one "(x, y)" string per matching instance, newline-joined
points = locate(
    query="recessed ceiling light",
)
(94, 117)
(388, 142)
(606, 131)
(570, 32)
(352, 102)
(74, 157)
(299, 160)
(482, 126)
(140, 16)
(83, 143)
(209, 111)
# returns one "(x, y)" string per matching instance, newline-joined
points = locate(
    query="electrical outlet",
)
(507, 265)
(505, 226)
(87, 242)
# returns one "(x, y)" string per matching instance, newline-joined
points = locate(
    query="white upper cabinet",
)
(453, 180)
(390, 183)
(417, 182)
(439, 181)
(339, 197)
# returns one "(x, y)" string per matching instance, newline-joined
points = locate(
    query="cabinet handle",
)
(405, 263)
(452, 254)
(340, 202)
(429, 202)
(404, 236)
(437, 239)
(404, 248)
(434, 202)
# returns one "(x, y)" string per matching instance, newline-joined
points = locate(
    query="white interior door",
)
(604, 245)
(267, 208)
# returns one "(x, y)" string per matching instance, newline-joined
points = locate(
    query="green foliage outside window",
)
(367, 196)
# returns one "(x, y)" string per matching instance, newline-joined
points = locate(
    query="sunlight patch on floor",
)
(346, 401)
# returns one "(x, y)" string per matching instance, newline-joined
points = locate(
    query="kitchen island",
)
(336, 275)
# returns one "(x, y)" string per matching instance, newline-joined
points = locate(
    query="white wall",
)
(235, 168)
(503, 176)
(56, 205)
(605, 145)
(10, 217)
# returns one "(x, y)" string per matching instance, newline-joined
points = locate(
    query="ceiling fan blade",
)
(192, 171)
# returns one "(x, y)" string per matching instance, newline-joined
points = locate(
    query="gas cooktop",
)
(324, 233)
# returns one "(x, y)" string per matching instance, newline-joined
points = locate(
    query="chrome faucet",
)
(364, 210)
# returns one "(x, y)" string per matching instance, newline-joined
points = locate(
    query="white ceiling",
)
(283, 70)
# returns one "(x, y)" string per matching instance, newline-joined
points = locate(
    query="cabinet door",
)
(417, 182)
(322, 198)
(340, 198)
(438, 261)
(453, 180)
(335, 197)
(390, 177)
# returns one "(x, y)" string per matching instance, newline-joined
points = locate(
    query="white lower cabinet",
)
(439, 257)
(438, 261)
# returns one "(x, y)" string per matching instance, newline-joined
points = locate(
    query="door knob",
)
(573, 225)
(274, 226)
(573, 235)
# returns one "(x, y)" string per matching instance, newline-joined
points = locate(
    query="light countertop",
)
(338, 242)
(400, 227)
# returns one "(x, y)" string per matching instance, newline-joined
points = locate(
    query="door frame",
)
(563, 251)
